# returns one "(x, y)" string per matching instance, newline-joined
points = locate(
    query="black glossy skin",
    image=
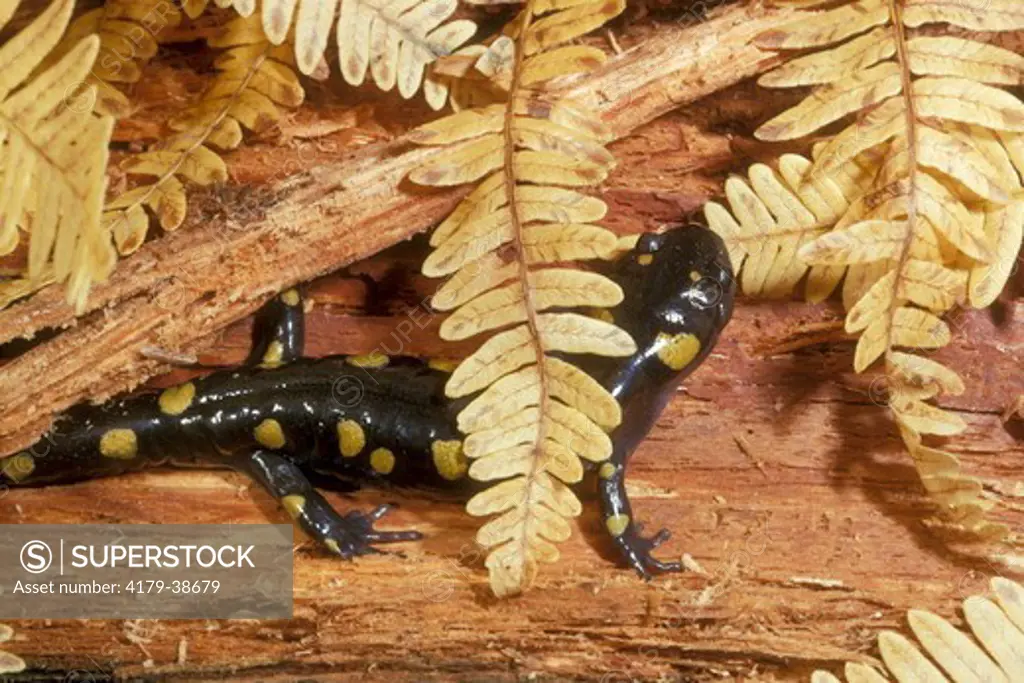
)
(678, 282)
(688, 288)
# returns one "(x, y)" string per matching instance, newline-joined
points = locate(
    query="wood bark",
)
(775, 467)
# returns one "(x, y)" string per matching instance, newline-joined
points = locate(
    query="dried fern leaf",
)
(129, 31)
(772, 217)
(508, 351)
(944, 653)
(464, 74)
(535, 415)
(961, 58)
(1004, 228)
(832, 102)
(550, 287)
(827, 67)
(860, 673)
(923, 372)
(996, 631)
(904, 660)
(992, 15)
(823, 677)
(53, 158)
(7, 8)
(819, 29)
(395, 41)
(932, 217)
(925, 418)
(521, 389)
(254, 80)
(1010, 596)
(952, 649)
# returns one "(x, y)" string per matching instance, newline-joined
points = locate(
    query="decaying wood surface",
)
(774, 467)
(777, 473)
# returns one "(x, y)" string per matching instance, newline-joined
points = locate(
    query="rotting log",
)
(778, 474)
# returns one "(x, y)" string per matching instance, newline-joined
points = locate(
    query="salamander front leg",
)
(346, 535)
(625, 532)
(279, 331)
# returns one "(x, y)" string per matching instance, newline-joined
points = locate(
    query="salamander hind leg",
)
(347, 535)
(279, 331)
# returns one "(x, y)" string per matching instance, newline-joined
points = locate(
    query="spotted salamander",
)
(282, 418)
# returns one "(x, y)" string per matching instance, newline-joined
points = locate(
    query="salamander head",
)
(679, 284)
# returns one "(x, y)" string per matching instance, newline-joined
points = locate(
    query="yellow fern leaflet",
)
(944, 653)
(534, 416)
(254, 79)
(129, 31)
(775, 214)
(53, 159)
(918, 202)
(395, 42)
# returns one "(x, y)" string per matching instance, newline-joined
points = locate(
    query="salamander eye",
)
(649, 243)
(645, 248)
(705, 292)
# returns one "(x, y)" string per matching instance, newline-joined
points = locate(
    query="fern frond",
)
(129, 31)
(944, 653)
(53, 157)
(775, 213)
(254, 79)
(395, 41)
(918, 202)
(535, 415)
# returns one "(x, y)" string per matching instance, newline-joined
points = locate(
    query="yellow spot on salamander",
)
(19, 467)
(695, 276)
(333, 546)
(450, 461)
(606, 471)
(290, 297)
(443, 364)
(269, 433)
(294, 504)
(273, 355)
(119, 443)
(617, 524)
(368, 360)
(382, 460)
(677, 350)
(645, 259)
(351, 438)
(176, 400)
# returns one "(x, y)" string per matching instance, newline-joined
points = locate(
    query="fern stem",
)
(910, 116)
(524, 268)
